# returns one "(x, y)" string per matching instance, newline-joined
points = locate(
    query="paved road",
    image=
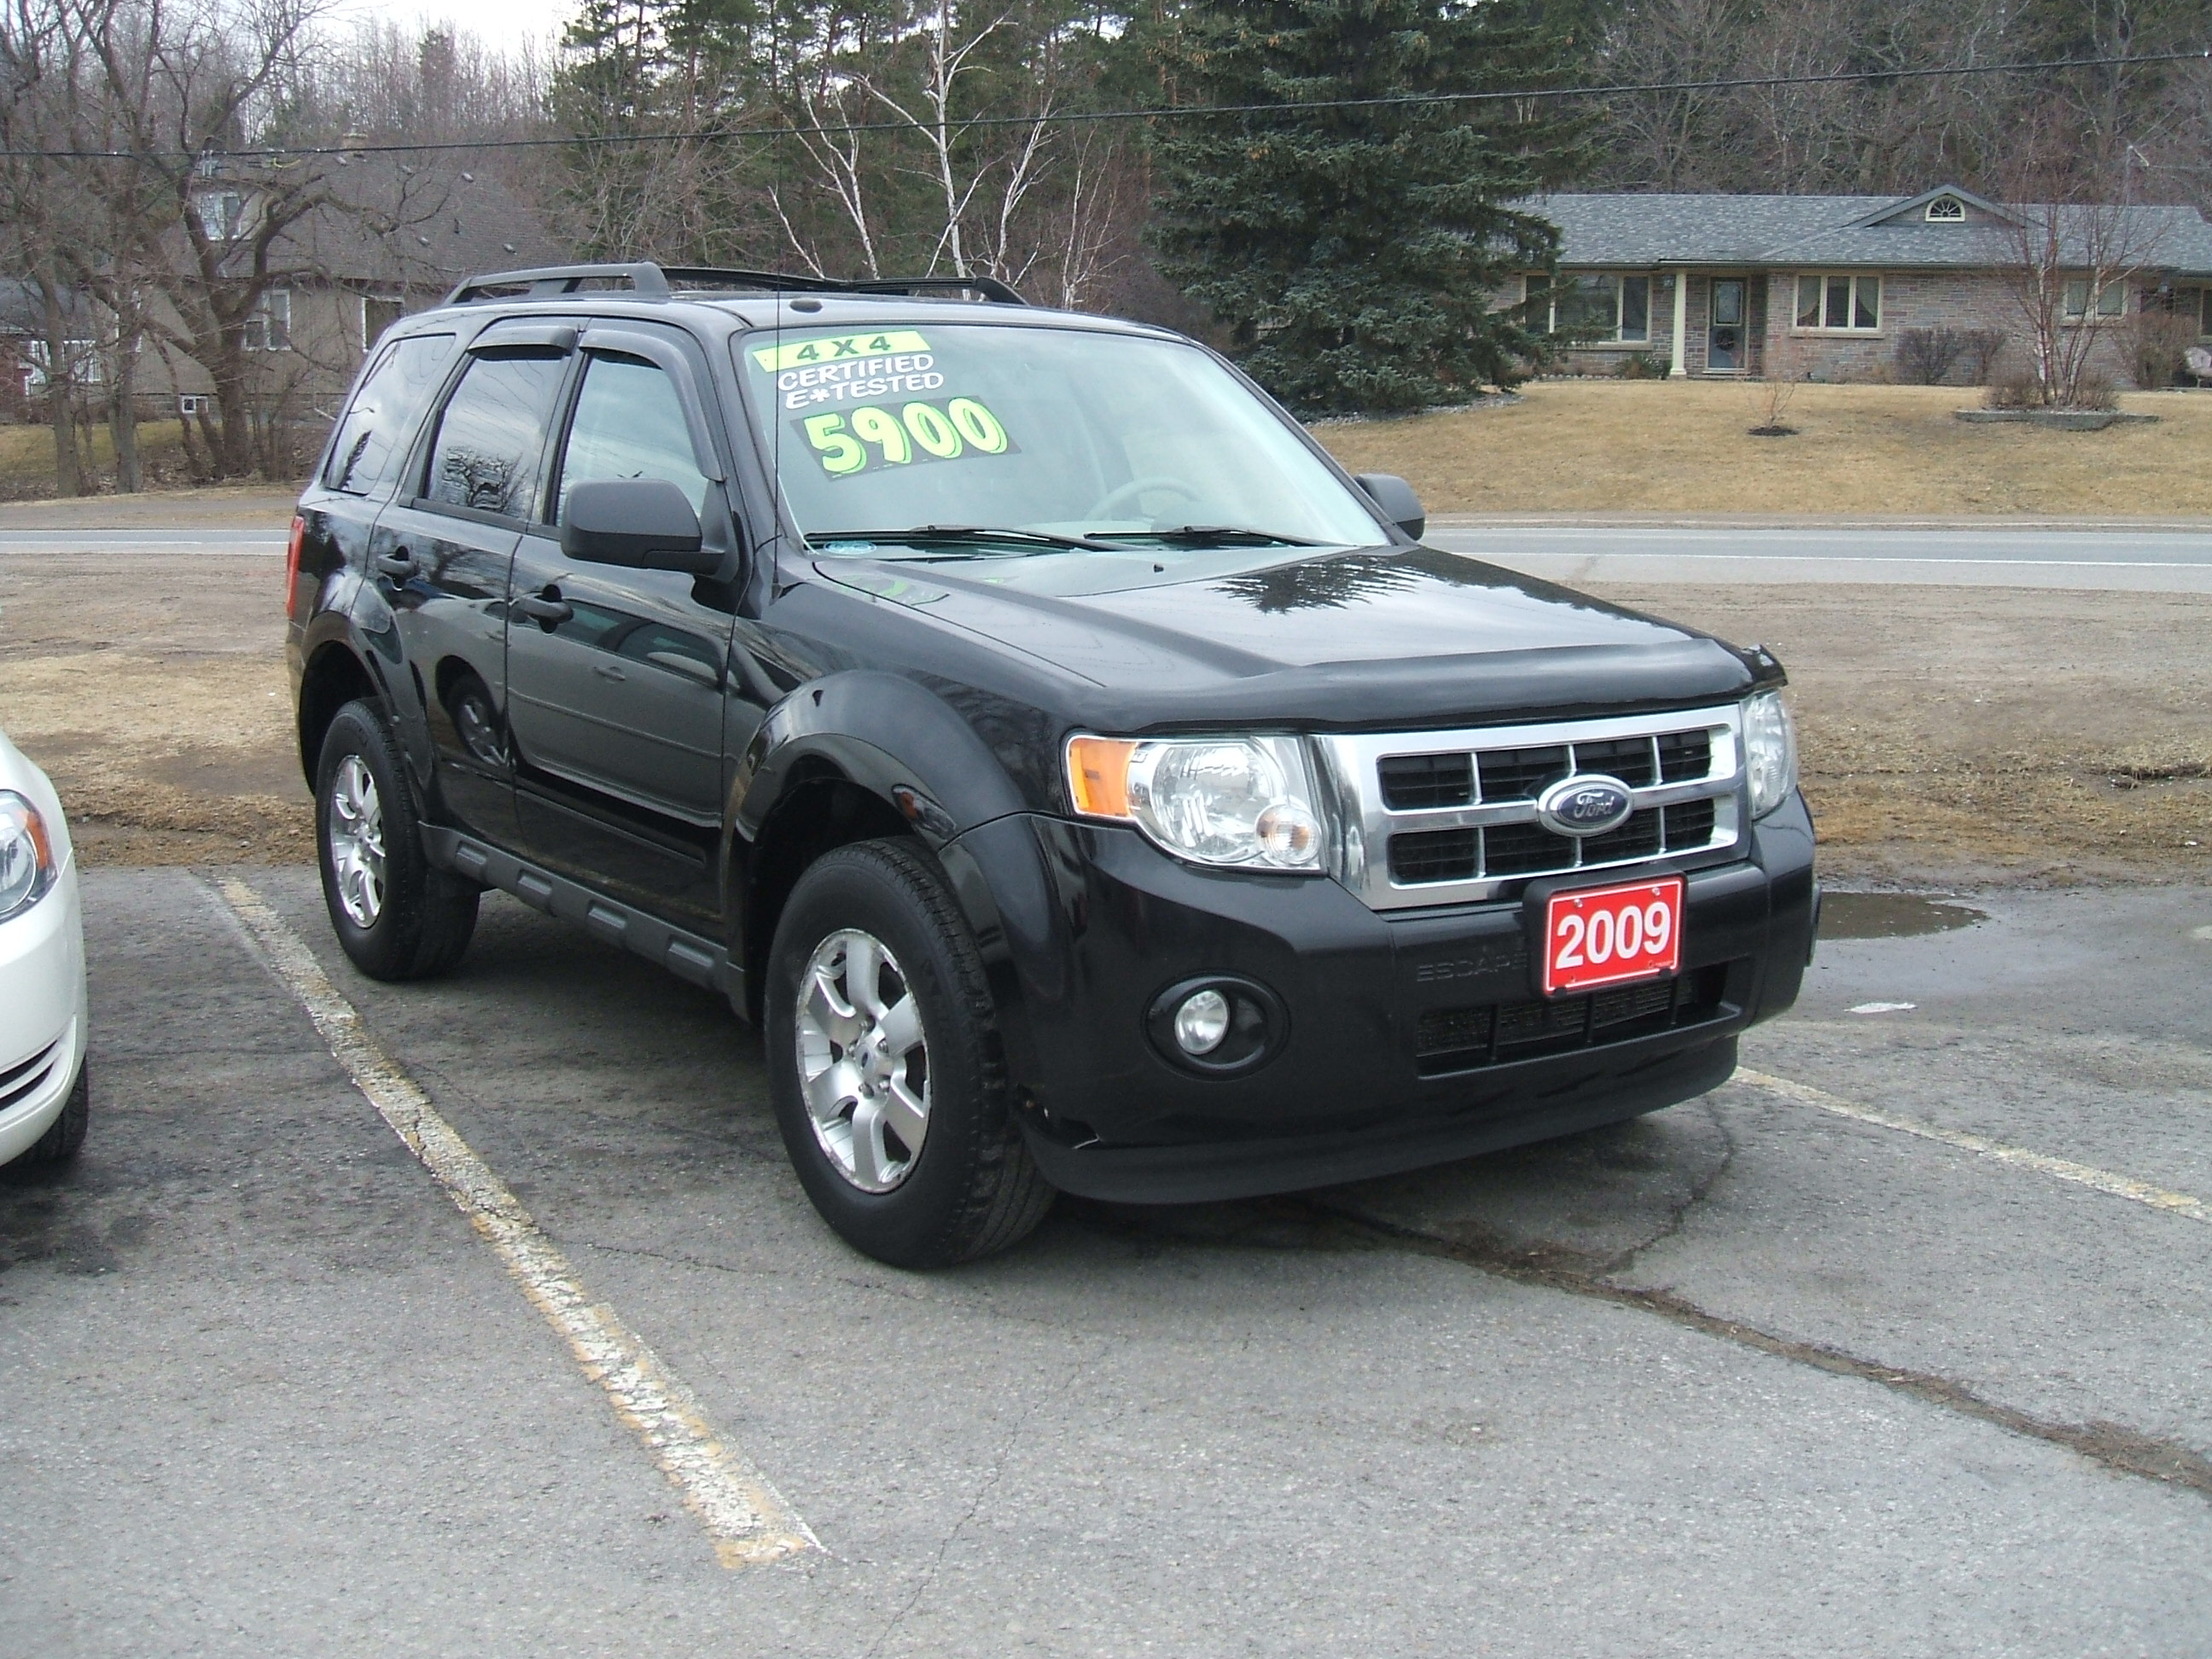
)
(2144, 561)
(250, 540)
(2141, 561)
(1755, 1376)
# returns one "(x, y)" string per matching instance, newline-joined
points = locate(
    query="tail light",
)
(292, 566)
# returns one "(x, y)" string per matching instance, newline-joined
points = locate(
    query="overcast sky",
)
(502, 24)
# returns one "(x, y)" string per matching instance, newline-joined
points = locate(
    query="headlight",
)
(1770, 751)
(27, 855)
(1244, 802)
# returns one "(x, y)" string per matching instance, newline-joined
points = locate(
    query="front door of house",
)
(1725, 344)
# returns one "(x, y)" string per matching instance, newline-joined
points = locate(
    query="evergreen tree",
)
(1354, 255)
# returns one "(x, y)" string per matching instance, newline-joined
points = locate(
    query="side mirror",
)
(1397, 500)
(643, 524)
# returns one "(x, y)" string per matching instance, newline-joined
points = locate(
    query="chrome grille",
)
(1447, 817)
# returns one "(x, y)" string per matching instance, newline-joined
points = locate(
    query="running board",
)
(687, 956)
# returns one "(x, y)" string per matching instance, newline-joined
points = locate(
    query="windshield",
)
(1079, 439)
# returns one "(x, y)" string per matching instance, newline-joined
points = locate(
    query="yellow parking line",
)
(747, 1521)
(2058, 1169)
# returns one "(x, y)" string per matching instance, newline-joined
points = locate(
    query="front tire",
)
(65, 1136)
(885, 1064)
(396, 915)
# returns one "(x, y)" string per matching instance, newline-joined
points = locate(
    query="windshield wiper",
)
(1213, 535)
(930, 535)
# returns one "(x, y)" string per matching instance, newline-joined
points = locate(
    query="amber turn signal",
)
(1098, 775)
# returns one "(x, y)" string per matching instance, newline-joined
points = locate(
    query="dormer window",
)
(222, 214)
(1946, 209)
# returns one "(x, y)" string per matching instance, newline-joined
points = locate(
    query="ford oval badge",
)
(1587, 804)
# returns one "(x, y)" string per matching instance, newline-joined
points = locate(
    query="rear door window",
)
(374, 428)
(490, 449)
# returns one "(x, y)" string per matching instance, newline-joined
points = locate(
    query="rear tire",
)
(397, 916)
(885, 1064)
(65, 1134)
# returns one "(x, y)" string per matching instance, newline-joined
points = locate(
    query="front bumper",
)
(43, 1014)
(1413, 1038)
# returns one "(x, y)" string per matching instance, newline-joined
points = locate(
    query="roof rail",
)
(644, 279)
(652, 281)
(781, 281)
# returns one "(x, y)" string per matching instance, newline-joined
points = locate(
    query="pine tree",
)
(1355, 255)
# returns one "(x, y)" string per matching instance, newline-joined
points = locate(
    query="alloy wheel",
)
(356, 842)
(863, 1061)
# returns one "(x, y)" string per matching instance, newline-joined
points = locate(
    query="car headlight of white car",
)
(1245, 803)
(27, 866)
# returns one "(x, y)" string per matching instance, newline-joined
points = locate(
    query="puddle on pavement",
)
(1892, 915)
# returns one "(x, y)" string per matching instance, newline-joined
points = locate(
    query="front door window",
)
(1725, 347)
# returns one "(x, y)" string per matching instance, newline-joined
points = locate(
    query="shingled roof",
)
(401, 222)
(1889, 233)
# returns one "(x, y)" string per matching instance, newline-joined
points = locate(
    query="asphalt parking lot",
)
(1895, 1345)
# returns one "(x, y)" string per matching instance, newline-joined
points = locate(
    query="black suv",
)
(1084, 783)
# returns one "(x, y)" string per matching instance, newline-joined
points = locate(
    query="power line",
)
(1161, 112)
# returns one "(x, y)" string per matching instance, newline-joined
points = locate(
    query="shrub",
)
(1983, 347)
(2016, 388)
(2156, 340)
(1925, 356)
(1643, 366)
(2095, 391)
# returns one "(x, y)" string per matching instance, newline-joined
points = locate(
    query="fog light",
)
(1218, 1025)
(1201, 1023)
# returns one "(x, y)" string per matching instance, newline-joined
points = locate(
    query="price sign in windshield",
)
(838, 348)
(875, 436)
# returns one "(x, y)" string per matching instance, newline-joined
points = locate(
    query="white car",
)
(45, 1099)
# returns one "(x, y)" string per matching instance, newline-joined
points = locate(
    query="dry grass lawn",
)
(1655, 447)
(26, 457)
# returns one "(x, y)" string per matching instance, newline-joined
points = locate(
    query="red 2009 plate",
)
(1597, 936)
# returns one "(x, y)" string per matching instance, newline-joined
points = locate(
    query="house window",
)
(222, 214)
(2204, 325)
(1837, 302)
(269, 326)
(378, 312)
(192, 403)
(2112, 299)
(1947, 208)
(80, 363)
(1605, 307)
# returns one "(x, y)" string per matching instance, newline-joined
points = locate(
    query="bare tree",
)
(195, 89)
(2070, 267)
(40, 225)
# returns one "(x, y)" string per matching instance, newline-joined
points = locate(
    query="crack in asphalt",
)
(984, 1488)
(1678, 1214)
(2114, 1446)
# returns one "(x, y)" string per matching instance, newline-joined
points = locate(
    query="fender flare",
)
(888, 736)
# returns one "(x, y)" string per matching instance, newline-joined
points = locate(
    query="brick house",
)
(1822, 287)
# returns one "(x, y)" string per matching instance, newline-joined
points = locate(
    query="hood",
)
(1340, 640)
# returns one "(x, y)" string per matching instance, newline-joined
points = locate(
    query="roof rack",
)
(653, 282)
(548, 281)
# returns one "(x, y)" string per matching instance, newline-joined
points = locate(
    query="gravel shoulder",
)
(1972, 736)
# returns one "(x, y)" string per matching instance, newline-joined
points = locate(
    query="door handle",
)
(607, 671)
(548, 609)
(399, 564)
